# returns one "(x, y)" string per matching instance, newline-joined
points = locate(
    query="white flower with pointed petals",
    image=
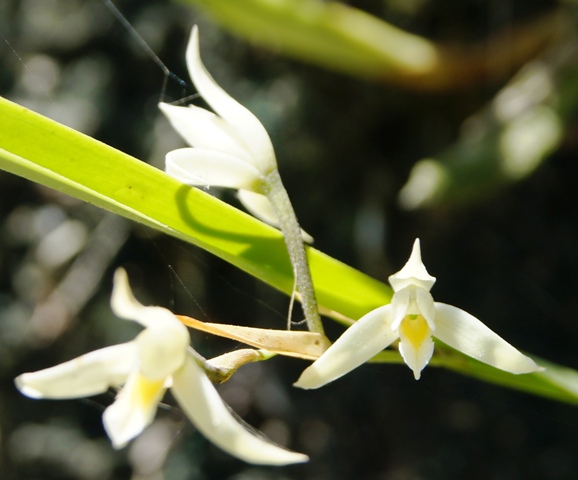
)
(414, 318)
(159, 358)
(230, 148)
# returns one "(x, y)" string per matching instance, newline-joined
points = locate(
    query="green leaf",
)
(349, 40)
(330, 34)
(506, 141)
(555, 381)
(51, 154)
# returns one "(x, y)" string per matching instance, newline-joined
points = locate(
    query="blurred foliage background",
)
(481, 146)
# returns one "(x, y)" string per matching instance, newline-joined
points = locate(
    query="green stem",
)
(278, 197)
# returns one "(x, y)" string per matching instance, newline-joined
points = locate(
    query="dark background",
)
(345, 148)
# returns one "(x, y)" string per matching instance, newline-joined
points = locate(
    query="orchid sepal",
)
(250, 130)
(469, 335)
(88, 375)
(203, 405)
(364, 339)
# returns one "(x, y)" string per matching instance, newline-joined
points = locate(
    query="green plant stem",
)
(277, 195)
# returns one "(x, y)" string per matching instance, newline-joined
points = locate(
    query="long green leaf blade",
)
(46, 152)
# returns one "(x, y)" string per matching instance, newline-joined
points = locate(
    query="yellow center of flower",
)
(148, 392)
(415, 329)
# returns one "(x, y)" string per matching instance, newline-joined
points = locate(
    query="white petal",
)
(203, 405)
(203, 129)
(126, 306)
(412, 300)
(133, 410)
(84, 376)
(259, 206)
(197, 166)
(251, 131)
(364, 339)
(399, 307)
(466, 333)
(413, 272)
(426, 305)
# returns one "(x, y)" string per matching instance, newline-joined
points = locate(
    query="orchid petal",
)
(203, 405)
(466, 333)
(134, 409)
(250, 130)
(426, 305)
(203, 129)
(126, 306)
(259, 206)
(413, 272)
(364, 339)
(84, 376)
(399, 305)
(197, 166)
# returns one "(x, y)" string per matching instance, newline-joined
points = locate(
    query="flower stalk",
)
(275, 191)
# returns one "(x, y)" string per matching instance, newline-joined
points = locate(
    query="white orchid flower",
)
(414, 318)
(158, 358)
(230, 148)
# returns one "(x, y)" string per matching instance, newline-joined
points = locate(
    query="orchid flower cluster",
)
(230, 148)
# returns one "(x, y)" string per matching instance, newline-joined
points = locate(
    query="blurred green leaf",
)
(505, 142)
(330, 34)
(340, 37)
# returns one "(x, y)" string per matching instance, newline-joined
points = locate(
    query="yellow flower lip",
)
(148, 391)
(414, 328)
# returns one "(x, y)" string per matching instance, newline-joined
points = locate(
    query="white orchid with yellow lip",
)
(231, 148)
(414, 319)
(159, 358)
